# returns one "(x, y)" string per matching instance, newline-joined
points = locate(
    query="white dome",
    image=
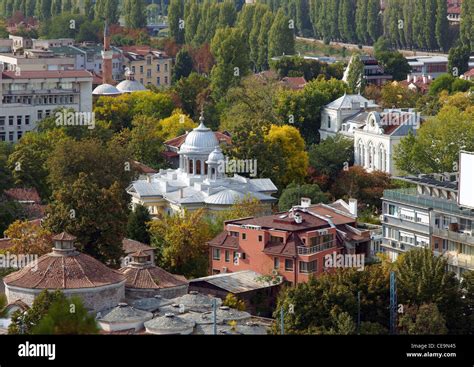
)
(216, 156)
(106, 90)
(130, 86)
(201, 140)
(225, 197)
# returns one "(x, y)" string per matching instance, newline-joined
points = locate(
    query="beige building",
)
(149, 66)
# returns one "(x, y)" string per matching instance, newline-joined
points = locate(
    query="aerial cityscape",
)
(237, 167)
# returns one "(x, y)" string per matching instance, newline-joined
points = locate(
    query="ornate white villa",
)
(200, 181)
(376, 139)
(344, 114)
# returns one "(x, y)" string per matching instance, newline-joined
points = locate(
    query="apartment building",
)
(428, 66)
(293, 244)
(151, 67)
(35, 60)
(30, 96)
(428, 216)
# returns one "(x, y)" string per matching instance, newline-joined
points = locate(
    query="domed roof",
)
(106, 90)
(197, 302)
(151, 304)
(201, 140)
(169, 324)
(64, 268)
(225, 197)
(216, 156)
(124, 313)
(130, 86)
(149, 277)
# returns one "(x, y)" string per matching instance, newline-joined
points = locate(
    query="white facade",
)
(375, 141)
(29, 97)
(337, 113)
(199, 182)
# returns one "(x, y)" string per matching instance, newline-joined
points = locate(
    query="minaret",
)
(107, 56)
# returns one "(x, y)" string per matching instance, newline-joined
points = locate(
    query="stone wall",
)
(169, 293)
(95, 299)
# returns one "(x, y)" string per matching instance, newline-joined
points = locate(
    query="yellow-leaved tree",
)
(180, 242)
(29, 238)
(289, 142)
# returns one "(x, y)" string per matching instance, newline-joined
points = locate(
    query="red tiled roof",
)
(223, 239)
(294, 82)
(130, 246)
(469, 73)
(49, 74)
(150, 277)
(178, 141)
(20, 194)
(143, 168)
(5, 243)
(64, 272)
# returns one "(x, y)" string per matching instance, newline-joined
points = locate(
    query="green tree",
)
(107, 9)
(331, 155)
(231, 53)
(134, 12)
(442, 25)
(66, 317)
(423, 320)
(183, 65)
(281, 39)
(175, 18)
(137, 226)
(180, 242)
(459, 59)
(355, 76)
(422, 278)
(293, 193)
(25, 322)
(96, 216)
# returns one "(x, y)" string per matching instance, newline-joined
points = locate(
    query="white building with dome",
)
(130, 85)
(200, 181)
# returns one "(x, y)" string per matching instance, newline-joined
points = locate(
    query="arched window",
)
(190, 166)
(213, 173)
(198, 167)
(360, 149)
(205, 168)
(371, 156)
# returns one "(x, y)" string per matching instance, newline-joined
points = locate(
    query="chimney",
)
(353, 207)
(298, 218)
(305, 202)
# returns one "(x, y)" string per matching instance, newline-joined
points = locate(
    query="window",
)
(308, 267)
(407, 214)
(141, 69)
(327, 238)
(148, 73)
(2, 121)
(27, 119)
(422, 241)
(148, 60)
(314, 241)
(407, 238)
(288, 265)
(234, 234)
(10, 136)
(166, 80)
(260, 238)
(276, 262)
(19, 134)
(158, 81)
(329, 122)
(10, 120)
(19, 120)
(227, 256)
(275, 239)
(158, 68)
(392, 209)
(2, 136)
(422, 218)
(244, 236)
(166, 67)
(216, 254)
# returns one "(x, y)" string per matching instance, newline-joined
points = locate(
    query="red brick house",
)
(291, 244)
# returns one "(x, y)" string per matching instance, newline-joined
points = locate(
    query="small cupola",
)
(64, 244)
(140, 258)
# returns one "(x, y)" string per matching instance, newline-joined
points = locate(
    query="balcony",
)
(407, 224)
(458, 260)
(453, 236)
(411, 196)
(303, 250)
